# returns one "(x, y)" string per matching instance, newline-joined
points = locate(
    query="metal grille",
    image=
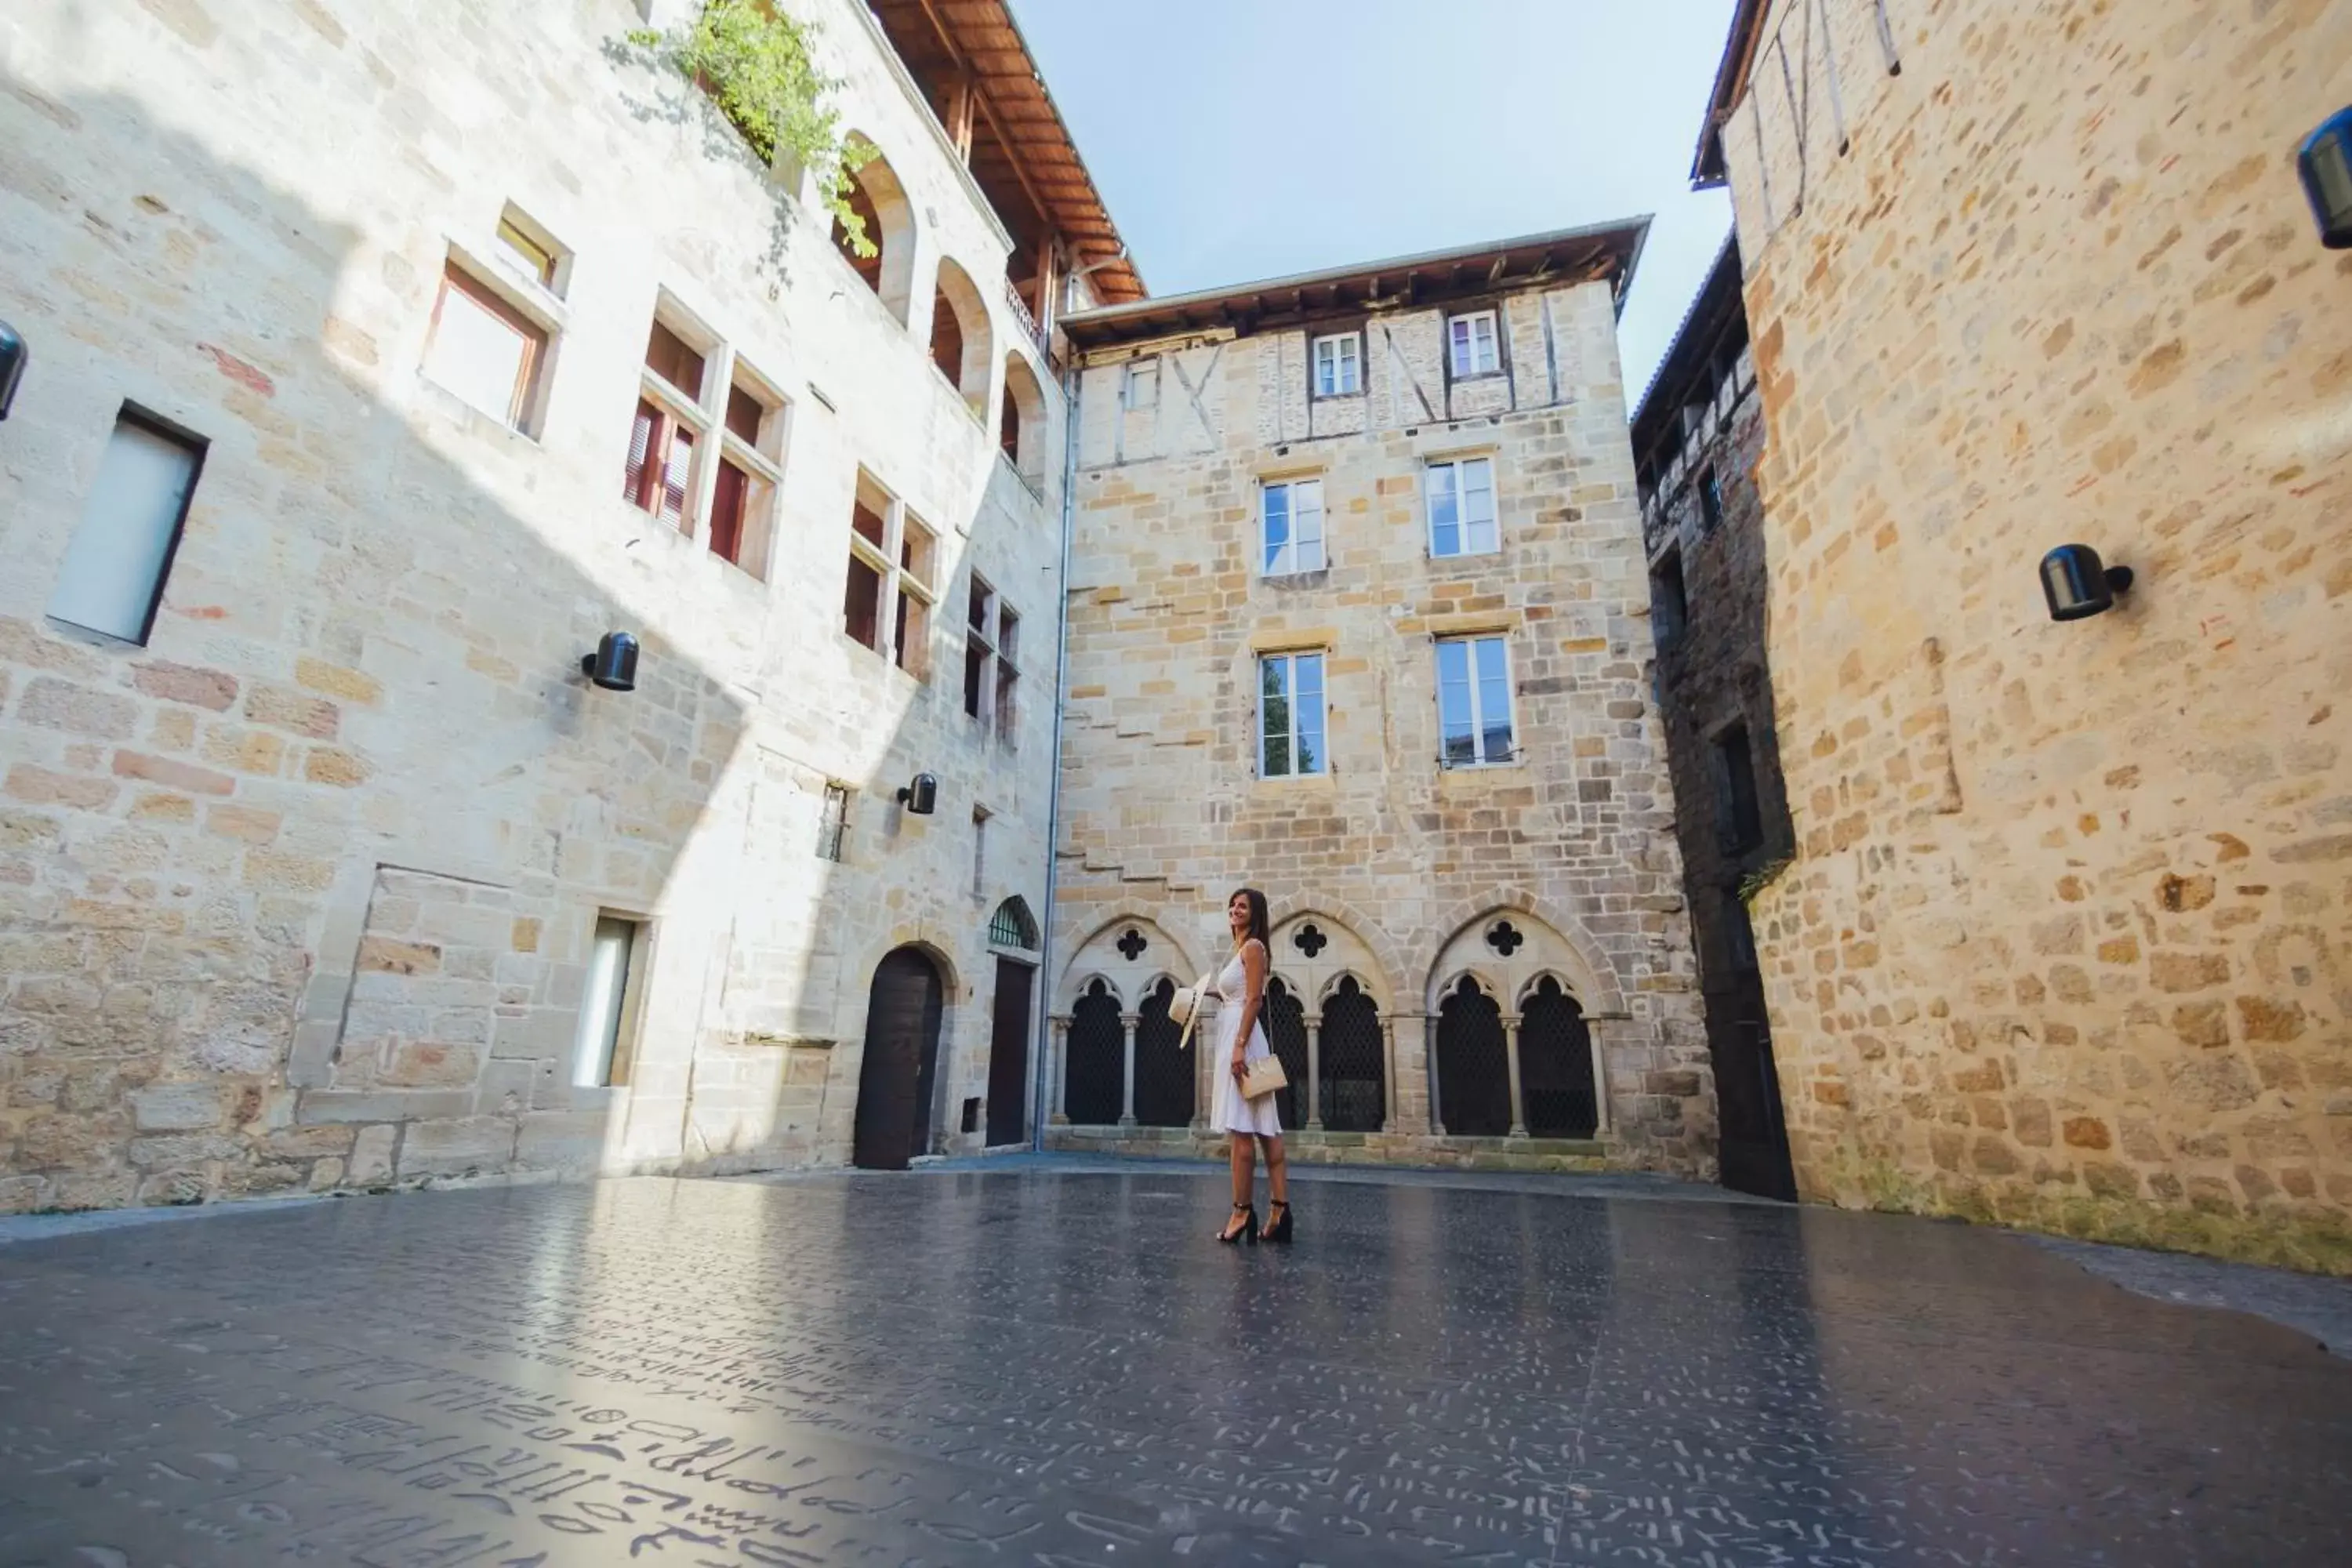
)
(1014, 926)
(1354, 1065)
(1473, 1072)
(1095, 1085)
(1285, 1031)
(1163, 1075)
(1556, 1065)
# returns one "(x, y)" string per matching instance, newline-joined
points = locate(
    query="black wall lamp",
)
(613, 665)
(2327, 165)
(2078, 583)
(921, 797)
(13, 355)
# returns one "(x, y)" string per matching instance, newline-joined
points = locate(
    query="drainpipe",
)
(1041, 1093)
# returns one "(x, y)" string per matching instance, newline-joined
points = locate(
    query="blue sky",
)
(1242, 139)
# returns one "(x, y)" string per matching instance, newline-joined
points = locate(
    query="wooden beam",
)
(962, 95)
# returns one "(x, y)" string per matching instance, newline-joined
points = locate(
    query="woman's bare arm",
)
(1254, 967)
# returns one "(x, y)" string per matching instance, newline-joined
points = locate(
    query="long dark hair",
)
(1257, 911)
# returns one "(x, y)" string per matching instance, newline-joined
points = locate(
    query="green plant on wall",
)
(1761, 878)
(757, 67)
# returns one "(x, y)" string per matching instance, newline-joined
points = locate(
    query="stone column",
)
(1314, 1074)
(1057, 1051)
(1418, 1113)
(1511, 1054)
(1388, 1073)
(1603, 1119)
(1127, 1086)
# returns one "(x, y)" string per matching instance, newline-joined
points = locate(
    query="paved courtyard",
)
(1056, 1366)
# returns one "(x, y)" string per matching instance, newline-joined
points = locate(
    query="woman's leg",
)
(1244, 1150)
(1277, 1169)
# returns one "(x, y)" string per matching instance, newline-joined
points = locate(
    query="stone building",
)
(1358, 613)
(1696, 438)
(384, 360)
(2064, 942)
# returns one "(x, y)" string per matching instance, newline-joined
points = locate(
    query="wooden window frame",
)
(1471, 319)
(996, 695)
(1267, 567)
(908, 654)
(1452, 466)
(1353, 361)
(1288, 659)
(524, 399)
(1478, 758)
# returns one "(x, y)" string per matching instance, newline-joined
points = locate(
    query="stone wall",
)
(300, 893)
(1712, 680)
(2065, 941)
(1387, 869)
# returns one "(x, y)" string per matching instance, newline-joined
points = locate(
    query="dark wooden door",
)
(1008, 1056)
(902, 1050)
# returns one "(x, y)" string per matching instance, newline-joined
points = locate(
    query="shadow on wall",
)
(304, 892)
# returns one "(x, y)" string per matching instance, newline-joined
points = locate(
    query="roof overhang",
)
(1608, 251)
(1718, 305)
(1730, 83)
(981, 37)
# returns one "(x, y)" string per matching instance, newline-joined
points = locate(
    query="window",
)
(485, 351)
(1472, 341)
(114, 570)
(991, 653)
(660, 475)
(1140, 388)
(892, 555)
(1742, 817)
(743, 497)
(1338, 366)
(1462, 508)
(609, 1007)
(979, 852)
(1290, 715)
(832, 822)
(1669, 608)
(1291, 517)
(533, 249)
(1710, 499)
(1474, 701)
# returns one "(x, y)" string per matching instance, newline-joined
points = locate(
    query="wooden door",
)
(902, 1045)
(1008, 1056)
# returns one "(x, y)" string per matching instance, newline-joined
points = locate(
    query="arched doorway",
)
(1473, 1070)
(902, 1054)
(1096, 1068)
(1354, 1061)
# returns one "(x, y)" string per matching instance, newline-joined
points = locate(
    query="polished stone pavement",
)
(1048, 1366)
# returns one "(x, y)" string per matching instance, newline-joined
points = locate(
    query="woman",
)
(1240, 995)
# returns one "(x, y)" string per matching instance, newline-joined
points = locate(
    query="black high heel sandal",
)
(1278, 1229)
(1248, 1233)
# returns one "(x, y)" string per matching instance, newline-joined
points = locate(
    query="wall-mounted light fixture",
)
(13, 355)
(613, 665)
(921, 797)
(2327, 165)
(2078, 583)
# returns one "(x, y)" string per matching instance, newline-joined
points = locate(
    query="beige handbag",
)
(1263, 1077)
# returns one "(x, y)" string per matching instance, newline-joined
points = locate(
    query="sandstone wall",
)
(299, 893)
(2066, 942)
(1398, 864)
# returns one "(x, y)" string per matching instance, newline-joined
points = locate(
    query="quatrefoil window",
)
(1132, 944)
(1310, 939)
(1505, 938)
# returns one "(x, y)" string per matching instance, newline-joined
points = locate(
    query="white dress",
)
(1231, 1112)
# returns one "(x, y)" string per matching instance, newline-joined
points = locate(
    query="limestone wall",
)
(2065, 943)
(299, 893)
(1404, 865)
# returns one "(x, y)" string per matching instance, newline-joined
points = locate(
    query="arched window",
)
(1014, 926)
(961, 345)
(1285, 1031)
(1353, 1060)
(1473, 1070)
(880, 203)
(1556, 1064)
(1021, 429)
(1095, 1081)
(1163, 1075)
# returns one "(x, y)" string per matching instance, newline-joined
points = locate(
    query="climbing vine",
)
(756, 66)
